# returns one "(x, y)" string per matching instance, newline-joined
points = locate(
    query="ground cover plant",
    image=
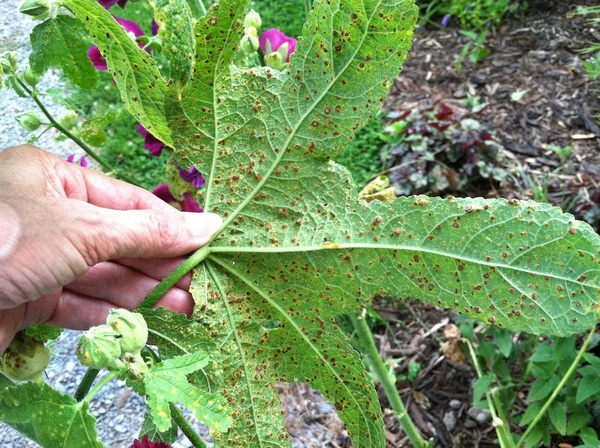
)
(298, 248)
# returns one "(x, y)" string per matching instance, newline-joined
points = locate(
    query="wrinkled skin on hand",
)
(75, 243)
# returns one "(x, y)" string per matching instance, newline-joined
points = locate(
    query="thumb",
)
(148, 234)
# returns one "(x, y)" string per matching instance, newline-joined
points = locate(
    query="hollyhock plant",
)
(277, 48)
(151, 143)
(147, 443)
(192, 176)
(132, 29)
(188, 204)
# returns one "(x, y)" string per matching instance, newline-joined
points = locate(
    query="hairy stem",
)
(370, 350)
(170, 280)
(89, 151)
(185, 427)
(558, 388)
(86, 383)
(92, 393)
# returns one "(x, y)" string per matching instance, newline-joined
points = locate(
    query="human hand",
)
(75, 243)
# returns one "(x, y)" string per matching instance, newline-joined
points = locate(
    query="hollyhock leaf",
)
(167, 383)
(173, 18)
(92, 130)
(136, 75)
(62, 42)
(27, 407)
(262, 139)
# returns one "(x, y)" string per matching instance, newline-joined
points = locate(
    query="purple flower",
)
(151, 143)
(445, 20)
(192, 176)
(188, 204)
(154, 27)
(82, 162)
(132, 28)
(147, 443)
(106, 4)
(272, 40)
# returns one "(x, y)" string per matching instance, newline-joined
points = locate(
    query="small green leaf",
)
(167, 383)
(481, 386)
(541, 388)
(589, 437)
(47, 416)
(62, 42)
(588, 386)
(578, 419)
(92, 130)
(43, 333)
(558, 417)
(503, 340)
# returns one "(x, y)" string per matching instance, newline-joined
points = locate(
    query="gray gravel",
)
(118, 410)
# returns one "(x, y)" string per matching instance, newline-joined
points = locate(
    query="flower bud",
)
(252, 19)
(248, 44)
(25, 359)
(9, 62)
(35, 7)
(31, 77)
(274, 60)
(99, 347)
(131, 327)
(29, 121)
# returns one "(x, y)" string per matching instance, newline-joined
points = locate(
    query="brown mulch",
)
(539, 54)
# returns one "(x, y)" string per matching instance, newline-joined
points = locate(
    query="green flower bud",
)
(25, 359)
(275, 60)
(252, 19)
(131, 327)
(99, 347)
(249, 44)
(31, 77)
(68, 120)
(29, 121)
(9, 62)
(35, 7)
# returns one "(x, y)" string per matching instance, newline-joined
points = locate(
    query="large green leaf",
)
(134, 72)
(47, 416)
(62, 42)
(263, 136)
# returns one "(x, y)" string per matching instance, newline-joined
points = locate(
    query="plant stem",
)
(185, 427)
(558, 388)
(502, 427)
(177, 274)
(86, 383)
(370, 350)
(92, 393)
(89, 151)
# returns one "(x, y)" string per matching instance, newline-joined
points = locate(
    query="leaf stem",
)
(86, 383)
(92, 393)
(185, 427)
(170, 280)
(89, 151)
(501, 426)
(558, 388)
(370, 350)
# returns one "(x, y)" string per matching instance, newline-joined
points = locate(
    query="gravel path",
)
(118, 410)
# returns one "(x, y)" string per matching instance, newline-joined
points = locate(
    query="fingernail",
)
(203, 225)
